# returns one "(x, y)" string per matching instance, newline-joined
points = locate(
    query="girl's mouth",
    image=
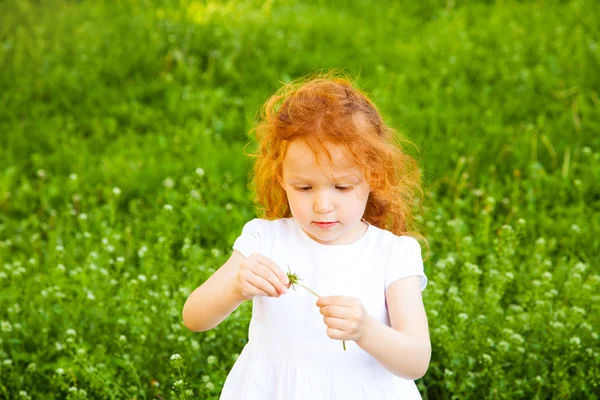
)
(325, 225)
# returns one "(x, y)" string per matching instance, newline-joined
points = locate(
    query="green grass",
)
(156, 99)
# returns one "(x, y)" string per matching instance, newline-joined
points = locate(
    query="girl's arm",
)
(237, 280)
(405, 348)
(215, 299)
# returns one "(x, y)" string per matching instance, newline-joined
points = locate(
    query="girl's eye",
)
(303, 188)
(344, 188)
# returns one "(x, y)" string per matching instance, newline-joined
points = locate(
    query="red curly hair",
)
(327, 108)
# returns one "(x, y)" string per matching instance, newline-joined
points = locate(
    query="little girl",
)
(337, 194)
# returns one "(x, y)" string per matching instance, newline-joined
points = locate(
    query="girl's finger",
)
(261, 283)
(268, 274)
(279, 273)
(336, 334)
(335, 323)
(336, 311)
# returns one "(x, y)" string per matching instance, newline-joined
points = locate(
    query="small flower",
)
(168, 207)
(200, 172)
(60, 371)
(211, 359)
(575, 228)
(71, 332)
(116, 191)
(175, 357)
(210, 385)
(168, 182)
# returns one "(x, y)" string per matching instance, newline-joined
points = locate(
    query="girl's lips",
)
(324, 224)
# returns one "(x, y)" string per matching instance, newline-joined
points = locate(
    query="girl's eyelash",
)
(340, 188)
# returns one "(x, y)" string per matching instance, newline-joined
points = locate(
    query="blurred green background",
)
(123, 182)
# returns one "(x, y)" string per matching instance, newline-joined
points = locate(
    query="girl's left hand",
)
(345, 317)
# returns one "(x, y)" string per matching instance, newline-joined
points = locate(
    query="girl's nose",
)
(323, 203)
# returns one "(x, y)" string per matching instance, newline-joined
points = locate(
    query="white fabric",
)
(289, 355)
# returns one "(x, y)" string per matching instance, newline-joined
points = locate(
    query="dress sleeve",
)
(252, 238)
(404, 259)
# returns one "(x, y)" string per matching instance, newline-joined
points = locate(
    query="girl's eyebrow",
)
(335, 178)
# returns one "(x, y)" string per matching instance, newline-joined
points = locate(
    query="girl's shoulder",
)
(386, 239)
(267, 225)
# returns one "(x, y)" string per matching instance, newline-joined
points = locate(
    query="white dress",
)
(289, 355)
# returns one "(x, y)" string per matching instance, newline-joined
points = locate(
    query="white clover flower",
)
(547, 275)
(463, 316)
(210, 385)
(168, 207)
(90, 296)
(521, 221)
(228, 206)
(175, 357)
(6, 326)
(116, 191)
(168, 182)
(536, 283)
(510, 275)
(575, 228)
(142, 278)
(557, 325)
(73, 389)
(503, 345)
(23, 393)
(448, 372)
(578, 310)
(200, 172)
(195, 194)
(178, 382)
(122, 338)
(211, 359)
(61, 267)
(41, 173)
(575, 340)
(60, 248)
(71, 332)
(487, 358)
(83, 216)
(120, 260)
(59, 346)
(8, 362)
(580, 267)
(518, 338)
(205, 378)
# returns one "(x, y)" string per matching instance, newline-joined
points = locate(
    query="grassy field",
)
(123, 182)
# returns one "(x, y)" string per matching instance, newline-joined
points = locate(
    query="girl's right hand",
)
(260, 276)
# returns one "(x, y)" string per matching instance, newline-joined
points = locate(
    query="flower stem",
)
(308, 289)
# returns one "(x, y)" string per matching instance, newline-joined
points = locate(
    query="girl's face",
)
(327, 197)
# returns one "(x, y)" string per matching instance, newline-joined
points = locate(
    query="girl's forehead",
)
(331, 156)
